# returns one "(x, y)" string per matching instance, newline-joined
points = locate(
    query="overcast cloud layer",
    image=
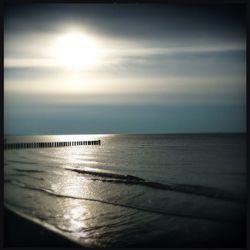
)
(161, 69)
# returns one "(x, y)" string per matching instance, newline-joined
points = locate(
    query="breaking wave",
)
(184, 188)
(144, 209)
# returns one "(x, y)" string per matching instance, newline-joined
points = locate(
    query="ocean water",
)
(133, 190)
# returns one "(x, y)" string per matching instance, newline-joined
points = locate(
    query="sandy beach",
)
(20, 232)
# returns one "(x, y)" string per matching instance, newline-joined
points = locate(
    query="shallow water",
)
(132, 190)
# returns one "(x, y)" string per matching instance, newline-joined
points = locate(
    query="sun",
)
(75, 50)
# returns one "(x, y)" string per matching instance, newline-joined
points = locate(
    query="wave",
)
(144, 209)
(23, 162)
(29, 170)
(183, 188)
(25, 175)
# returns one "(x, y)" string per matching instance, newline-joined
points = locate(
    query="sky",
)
(124, 68)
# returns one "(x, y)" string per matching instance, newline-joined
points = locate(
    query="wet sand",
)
(20, 232)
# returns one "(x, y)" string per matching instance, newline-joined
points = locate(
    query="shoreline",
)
(21, 232)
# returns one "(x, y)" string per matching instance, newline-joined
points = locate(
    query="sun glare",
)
(75, 51)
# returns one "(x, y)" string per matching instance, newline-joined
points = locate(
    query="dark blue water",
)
(133, 190)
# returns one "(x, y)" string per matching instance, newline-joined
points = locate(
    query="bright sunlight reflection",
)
(74, 50)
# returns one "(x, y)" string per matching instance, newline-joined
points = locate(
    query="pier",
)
(27, 145)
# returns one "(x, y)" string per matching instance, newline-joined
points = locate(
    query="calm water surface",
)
(133, 190)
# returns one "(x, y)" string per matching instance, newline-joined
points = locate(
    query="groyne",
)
(57, 144)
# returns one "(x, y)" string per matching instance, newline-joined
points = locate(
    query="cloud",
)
(116, 53)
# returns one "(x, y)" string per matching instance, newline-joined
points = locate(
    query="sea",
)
(161, 190)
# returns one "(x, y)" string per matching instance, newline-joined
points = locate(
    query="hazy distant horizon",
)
(124, 69)
(197, 133)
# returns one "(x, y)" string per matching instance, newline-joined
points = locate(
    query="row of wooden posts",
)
(49, 144)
